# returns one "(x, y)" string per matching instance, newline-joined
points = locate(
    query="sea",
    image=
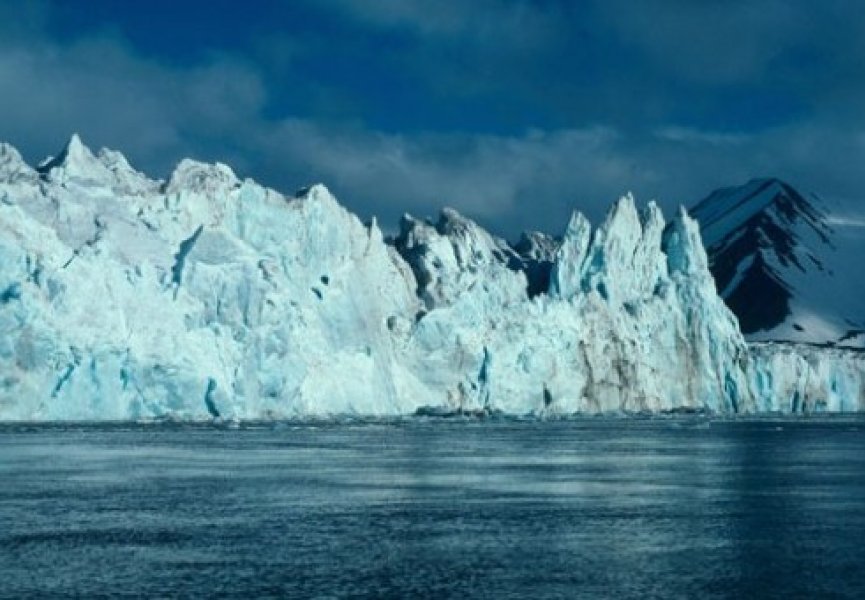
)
(592, 507)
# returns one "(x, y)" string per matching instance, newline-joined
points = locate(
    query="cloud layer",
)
(514, 112)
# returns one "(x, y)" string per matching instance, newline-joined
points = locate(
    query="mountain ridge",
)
(773, 253)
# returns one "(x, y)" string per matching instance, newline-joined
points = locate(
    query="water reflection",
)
(625, 508)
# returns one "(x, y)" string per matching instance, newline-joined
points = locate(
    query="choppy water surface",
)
(595, 507)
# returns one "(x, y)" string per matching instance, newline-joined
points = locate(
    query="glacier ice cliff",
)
(122, 297)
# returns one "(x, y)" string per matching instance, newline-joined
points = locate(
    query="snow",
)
(123, 298)
(741, 269)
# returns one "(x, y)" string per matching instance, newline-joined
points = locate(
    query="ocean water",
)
(613, 508)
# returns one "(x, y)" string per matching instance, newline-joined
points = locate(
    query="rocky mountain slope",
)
(782, 267)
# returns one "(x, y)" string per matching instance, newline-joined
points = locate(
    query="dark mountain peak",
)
(757, 236)
(765, 205)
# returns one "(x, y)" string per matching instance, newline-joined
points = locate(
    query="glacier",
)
(207, 296)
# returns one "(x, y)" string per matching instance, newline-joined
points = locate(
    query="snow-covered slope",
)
(782, 267)
(205, 295)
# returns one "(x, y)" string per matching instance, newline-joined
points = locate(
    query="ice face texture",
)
(206, 296)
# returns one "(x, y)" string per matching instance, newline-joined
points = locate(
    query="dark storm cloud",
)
(514, 112)
(711, 43)
(99, 86)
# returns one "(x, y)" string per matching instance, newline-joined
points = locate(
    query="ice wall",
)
(799, 378)
(122, 297)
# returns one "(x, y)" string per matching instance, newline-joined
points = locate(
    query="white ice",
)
(122, 297)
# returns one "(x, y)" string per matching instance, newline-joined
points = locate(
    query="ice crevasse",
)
(202, 296)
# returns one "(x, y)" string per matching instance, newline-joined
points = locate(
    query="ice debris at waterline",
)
(205, 296)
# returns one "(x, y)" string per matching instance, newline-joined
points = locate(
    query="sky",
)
(513, 112)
